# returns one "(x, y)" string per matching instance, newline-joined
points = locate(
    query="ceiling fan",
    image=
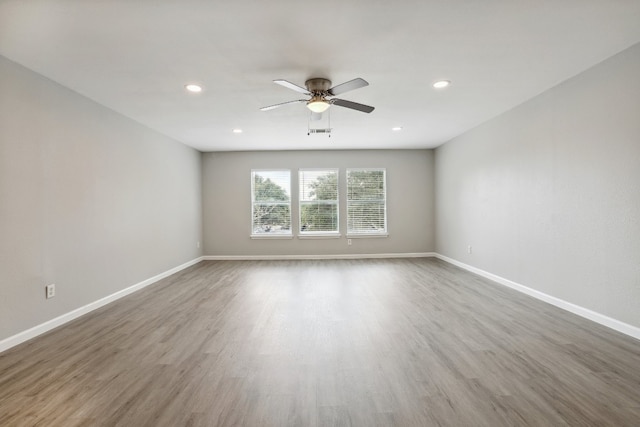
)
(322, 95)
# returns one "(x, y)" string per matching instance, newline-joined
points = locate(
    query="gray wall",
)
(89, 200)
(227, 201)
(548, 194)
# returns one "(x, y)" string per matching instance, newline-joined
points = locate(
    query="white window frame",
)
(287, 234)
(318, 234)
(351, 234)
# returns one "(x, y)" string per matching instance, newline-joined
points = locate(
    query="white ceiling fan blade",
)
(271, 107)
(347, 86)
(292, 86)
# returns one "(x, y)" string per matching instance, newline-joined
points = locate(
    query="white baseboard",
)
(23, 336)
(311, 257)
(607, 321)
(617, 325)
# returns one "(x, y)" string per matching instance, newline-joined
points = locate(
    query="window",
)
(271, 203)
(366, 202)
(318, 201)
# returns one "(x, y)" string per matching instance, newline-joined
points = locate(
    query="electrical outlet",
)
(349, 242)
(50, 290)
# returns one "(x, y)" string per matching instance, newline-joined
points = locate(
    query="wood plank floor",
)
(402, 342)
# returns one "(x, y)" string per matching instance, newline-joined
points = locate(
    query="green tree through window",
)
(271, 202)
(318, 201)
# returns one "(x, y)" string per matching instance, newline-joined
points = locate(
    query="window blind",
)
(366, 201)
(318, 201)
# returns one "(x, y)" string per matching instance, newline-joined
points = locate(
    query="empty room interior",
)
(341, 213)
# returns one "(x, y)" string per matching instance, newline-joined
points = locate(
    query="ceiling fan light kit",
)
(318, 104)
(315, 117)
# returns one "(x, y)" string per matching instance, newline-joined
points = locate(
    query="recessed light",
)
(191, 87)
(441, 84)
(396, 129)
(237, 130)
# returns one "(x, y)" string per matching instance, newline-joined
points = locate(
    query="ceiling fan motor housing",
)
(318, 85)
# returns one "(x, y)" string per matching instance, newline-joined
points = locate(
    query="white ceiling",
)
(136, 56)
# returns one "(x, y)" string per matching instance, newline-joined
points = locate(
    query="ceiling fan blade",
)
(292, 86)
(352, 105)
(271, 107)
(316, 116)
(347, 86)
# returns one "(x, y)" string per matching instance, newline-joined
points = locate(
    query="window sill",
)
(320, 236)
(367, 236)
(272, 236)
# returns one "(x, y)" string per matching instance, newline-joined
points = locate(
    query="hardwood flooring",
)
(401, 342)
